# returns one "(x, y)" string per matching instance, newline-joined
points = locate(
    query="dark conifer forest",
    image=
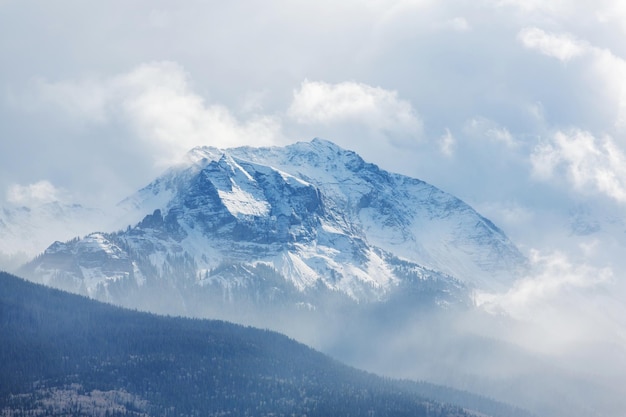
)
(63, 354)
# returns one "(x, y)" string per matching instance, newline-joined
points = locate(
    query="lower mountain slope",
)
(62, 354)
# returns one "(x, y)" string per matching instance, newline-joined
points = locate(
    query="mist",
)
(568, 359)
(553, 344)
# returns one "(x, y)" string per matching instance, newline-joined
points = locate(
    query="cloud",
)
(537, 111)
(558, 306)
(162, 107)
(610, 69)
(607, 82)
(563, 46)
(317, 102)
(481, 127)
(554, 275)
(33, 194)
(587, 163)
(447, 143)
(157, 102)
(612, 11)
(459, 24)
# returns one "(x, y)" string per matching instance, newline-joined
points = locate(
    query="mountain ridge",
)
(312, 213)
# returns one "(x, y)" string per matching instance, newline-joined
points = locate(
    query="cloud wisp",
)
(586, 162)
(39, 192)
(563, 47)
(351, 102)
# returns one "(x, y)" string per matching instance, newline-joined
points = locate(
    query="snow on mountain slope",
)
(405, 216)
(292, 220)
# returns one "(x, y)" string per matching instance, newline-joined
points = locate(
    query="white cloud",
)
(557, 305)
(33, 194)
(161, 106)
(323, 103)
(608, 80)
(547, 11)
(537, 111)
(562, 46)
(585, 161)
(447, 143)
(611, 71)
(482, 127)
(612, 11)
(555, 274)
(157, 102)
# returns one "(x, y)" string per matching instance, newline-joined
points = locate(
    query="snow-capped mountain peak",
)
(306, 217)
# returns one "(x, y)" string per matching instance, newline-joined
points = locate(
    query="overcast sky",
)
(493, 100)
(516, 106)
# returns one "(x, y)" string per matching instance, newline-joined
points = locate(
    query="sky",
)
(492, 100)
(518, 107)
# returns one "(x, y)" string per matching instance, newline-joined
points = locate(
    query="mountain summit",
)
(283, 225)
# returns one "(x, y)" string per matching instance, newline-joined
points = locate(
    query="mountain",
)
(291, 226)
(373, 268)
(62, 354)
(28, 230)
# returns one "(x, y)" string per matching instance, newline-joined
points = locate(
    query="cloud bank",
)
(159, 105)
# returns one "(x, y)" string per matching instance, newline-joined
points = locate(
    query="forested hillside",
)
(62, 354)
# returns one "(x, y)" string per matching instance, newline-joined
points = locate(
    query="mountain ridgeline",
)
(306, 227)
(376, 269)
(63, 354)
